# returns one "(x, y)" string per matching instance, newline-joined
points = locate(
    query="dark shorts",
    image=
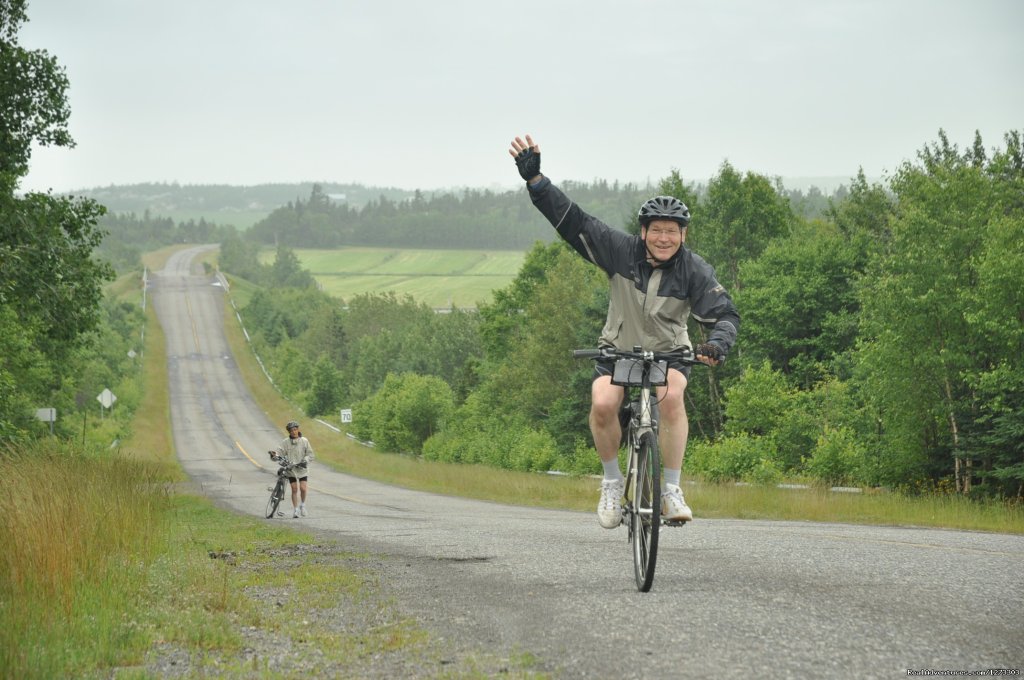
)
(608, 368)
(300, 479)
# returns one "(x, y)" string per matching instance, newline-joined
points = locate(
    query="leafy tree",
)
(864, 213)
(799, 304)
(33, 99)
(919, 346)
(48, 277)
(327, 390)
(405, 412)
(241, 258)
(995, 312)
(735, 222)
(287, 271)
(501, 319)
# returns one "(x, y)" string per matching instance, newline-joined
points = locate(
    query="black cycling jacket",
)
(648, 306)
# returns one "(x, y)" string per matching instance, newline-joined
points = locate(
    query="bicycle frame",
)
(643, 420)
(280, 486)
(641, 507)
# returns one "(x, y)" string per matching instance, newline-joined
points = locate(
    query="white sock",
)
(612, 472)
(671, 476)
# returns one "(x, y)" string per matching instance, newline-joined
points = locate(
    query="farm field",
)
(439, 278)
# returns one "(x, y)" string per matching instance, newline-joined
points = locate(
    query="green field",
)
(439, 278)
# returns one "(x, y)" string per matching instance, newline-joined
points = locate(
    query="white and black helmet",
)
(664, 208)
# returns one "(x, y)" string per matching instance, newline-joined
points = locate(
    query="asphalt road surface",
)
(730, 598)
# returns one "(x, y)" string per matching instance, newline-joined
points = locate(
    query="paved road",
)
(731, 598)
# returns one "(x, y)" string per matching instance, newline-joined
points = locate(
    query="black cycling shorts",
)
(300, 479)
(602, 367)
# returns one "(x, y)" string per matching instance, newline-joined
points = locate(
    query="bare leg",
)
(674, 428)
(604, 417)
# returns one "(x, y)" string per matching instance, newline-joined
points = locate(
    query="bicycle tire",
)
(275, 498)
(645, 519)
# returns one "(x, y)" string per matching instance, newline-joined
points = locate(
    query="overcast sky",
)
(428, 95)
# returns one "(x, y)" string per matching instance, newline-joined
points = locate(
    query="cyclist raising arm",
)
(655, 284)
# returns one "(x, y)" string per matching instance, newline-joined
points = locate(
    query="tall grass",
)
(79, 531)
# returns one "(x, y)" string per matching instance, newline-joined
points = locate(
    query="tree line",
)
(476, 218)
(881, 341)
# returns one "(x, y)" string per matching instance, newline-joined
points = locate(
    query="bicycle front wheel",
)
(645, 519)
(275, 498)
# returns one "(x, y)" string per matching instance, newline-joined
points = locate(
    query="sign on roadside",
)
(106, 398)
(47, 415)
(346, 415)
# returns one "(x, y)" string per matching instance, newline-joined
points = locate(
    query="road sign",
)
(106, 398)
(346, 415)
(47, 415)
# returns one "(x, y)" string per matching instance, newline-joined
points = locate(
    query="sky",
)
(428, 95)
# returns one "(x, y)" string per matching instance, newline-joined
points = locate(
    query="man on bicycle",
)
(655, 284)
(296, 449)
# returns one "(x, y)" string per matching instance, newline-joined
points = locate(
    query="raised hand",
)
(527, 157)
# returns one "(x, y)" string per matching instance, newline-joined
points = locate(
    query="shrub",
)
(731, 458)
(765, 472)
(755, 404)
(837, 458)
(405, 412)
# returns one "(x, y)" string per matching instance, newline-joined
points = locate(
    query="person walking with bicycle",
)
(655, 284)
(296, 449)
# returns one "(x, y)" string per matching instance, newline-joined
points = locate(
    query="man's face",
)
(664, 238)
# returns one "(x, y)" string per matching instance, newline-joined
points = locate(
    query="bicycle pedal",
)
(280, 513)
(270, 488)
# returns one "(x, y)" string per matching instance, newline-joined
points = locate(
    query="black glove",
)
(528, 162)
(711, 351)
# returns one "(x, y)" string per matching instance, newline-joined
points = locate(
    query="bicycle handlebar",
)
(683, 356)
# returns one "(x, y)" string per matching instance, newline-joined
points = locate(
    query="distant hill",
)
(227, 204)
(244, 206)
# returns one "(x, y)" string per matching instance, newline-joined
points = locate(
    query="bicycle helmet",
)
(664, 208)
(291, 424)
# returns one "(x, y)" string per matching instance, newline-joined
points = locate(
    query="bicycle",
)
(637, 372)
(277, 491)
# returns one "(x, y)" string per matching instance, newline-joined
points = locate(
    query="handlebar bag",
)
(629, 372)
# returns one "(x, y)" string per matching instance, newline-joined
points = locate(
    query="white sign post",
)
(106, 399)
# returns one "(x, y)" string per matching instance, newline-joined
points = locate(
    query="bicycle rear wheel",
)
(275, 498)
(645, 518)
